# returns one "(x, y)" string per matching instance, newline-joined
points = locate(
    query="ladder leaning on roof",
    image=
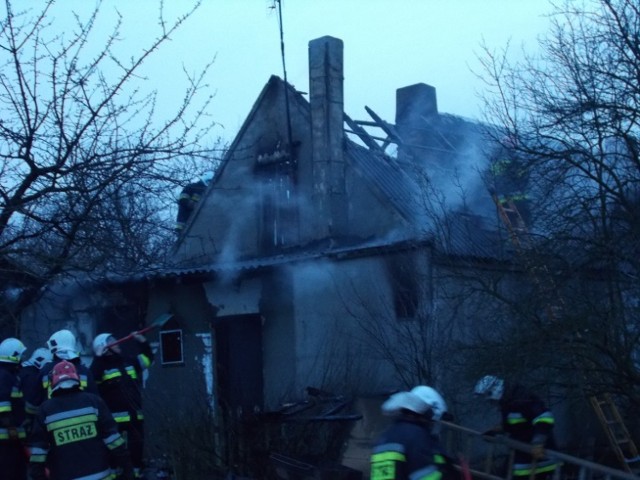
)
(605, 408)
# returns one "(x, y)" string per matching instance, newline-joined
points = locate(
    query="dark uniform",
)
(13, 459)
(511, 180)
(526, 418)
(74, 436)
(30, 383)
(407, 450)
(119, 380)
(187, 201)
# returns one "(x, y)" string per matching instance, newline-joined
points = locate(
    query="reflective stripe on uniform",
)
(428, 473)
(145, 362)
(5, 407)
(4, 433)
(70, 422)
(30, 408)
(104, 475)
(384, 459)
(390, 448)
(38, 455)
(515, 418)
(39, 451)
(546, 417)
(113, 441)
(522, 469)
(78, 412)
(83, 382)
(131, 371)
(121, 417)
(111, 374)
(37, 458)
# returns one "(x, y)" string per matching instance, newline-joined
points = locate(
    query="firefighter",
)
(410, 448)
(30, 382)
(511, 178)
(74, 436)
(13, 461)
(119, 379)
(62, 345)
(525, 418)
(189, 197)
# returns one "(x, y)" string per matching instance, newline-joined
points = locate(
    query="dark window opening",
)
(406, 295)
(171, 347)
(279, 213)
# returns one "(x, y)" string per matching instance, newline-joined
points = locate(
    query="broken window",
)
(404, 278)
(276, 170)
(171, 347)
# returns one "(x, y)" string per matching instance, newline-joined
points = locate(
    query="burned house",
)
(319, 250)
(328, 258)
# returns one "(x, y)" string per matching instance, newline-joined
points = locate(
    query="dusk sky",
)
(387, 45)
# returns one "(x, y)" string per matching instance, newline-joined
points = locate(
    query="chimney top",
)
(415, 103)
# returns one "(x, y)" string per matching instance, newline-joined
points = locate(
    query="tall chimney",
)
(326, 89)
(416, 111)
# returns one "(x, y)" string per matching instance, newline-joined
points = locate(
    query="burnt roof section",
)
(390, 179)
(444, 146)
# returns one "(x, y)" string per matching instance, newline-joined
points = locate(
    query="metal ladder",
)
(603, 405)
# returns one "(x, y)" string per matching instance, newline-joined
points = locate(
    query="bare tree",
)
(87, 168)
(572, 113)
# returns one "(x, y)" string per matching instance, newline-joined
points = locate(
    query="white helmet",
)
(421, 399)
(206, 177)
(432, 398)
(40, 357)
(100, 343)
(490, 386)
(62, 344)
(11, 350)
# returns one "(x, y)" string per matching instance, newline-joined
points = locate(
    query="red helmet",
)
(64, 375)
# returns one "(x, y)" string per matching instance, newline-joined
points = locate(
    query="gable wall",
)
(228, 224)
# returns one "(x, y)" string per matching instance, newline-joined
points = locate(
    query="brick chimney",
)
(416, 110)
(415, 104)
(326, 90)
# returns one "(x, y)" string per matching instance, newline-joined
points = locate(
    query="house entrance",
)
(238, 353)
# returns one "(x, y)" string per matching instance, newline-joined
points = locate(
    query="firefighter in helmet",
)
(13, 462)
(74, 435)
(511, 178)
(189, 198)
(525, 418)
(63, 346)
(410, 448)
(30, 381)
(119, 379)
